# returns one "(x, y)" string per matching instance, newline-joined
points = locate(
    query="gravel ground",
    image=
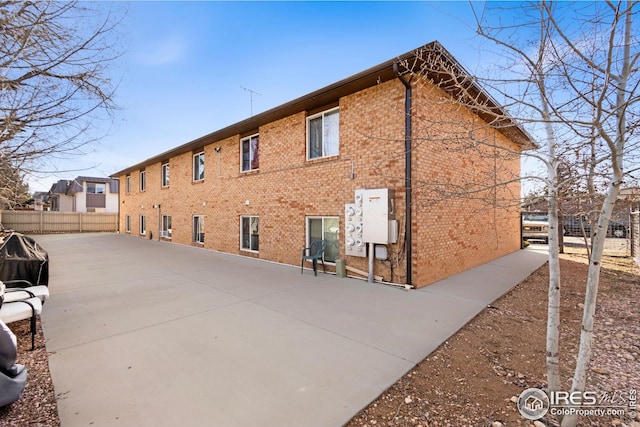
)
(474, 377)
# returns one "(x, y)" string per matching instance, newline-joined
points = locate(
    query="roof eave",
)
(368, 78)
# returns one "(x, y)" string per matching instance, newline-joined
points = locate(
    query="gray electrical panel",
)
(354, 245)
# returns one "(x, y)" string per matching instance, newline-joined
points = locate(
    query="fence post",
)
(635, 234)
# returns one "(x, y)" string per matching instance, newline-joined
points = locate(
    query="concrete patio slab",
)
(101, 311)
(146, 333)
(489, 281)
(406, 324)
(241, 365)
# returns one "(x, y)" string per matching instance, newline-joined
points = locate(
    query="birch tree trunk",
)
(616, 146)
(553, 305)
(577, 84)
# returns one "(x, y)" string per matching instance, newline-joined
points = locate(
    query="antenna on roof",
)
(251, 93)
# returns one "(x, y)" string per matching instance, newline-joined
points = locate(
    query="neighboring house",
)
(85, 194)
(41, 201)
(269, 185)
(630, 198)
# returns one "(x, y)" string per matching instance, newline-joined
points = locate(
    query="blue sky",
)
(186, 63)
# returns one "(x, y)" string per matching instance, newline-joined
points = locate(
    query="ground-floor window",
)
(198, 229)
(325, 228)
(249, 233)
(127, 224)
(166, 226)
(143, 224)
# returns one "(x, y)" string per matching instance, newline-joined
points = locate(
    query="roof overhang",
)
(438, 65)
(357, 82)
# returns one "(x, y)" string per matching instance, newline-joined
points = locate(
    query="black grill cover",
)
(22, 258)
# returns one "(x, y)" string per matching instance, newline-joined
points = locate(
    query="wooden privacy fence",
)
(58, 222)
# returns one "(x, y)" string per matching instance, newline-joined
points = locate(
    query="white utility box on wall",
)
(371, 219)
(377, 211)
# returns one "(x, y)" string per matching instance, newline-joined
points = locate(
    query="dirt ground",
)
(475, 376)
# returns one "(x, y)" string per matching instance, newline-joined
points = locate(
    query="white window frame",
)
(322, 115)
(127, 184)
(323, 218)
(143, 225)
(143, 180)
(97, 185)
(252, 152)
(166, 227)
(198, 229)
(127, 223)
(198, 175)
(164, 178)
(250, 218)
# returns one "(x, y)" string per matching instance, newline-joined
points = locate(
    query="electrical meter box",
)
(378, 208)
(354, 245)
(371, 219)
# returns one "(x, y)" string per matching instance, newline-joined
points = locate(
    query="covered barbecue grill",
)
(22, 258)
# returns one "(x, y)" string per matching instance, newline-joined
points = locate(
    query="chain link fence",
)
(623, 235)
(613, 246)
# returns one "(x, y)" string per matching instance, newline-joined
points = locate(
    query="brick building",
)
(267, 186)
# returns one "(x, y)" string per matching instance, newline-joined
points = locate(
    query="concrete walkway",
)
(144, 333)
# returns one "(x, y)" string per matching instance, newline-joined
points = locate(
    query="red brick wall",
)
(448, 237)
(463, 216)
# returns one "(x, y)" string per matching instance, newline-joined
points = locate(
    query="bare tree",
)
(579, 93)
(13, 191)
(55, 81)
(569, 75)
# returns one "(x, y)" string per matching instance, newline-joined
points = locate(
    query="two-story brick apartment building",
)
(269, 185)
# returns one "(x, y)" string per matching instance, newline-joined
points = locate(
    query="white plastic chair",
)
(16, 305)
(20, 294)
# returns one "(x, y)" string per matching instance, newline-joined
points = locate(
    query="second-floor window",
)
(96, 188)
(143, 180)
(165, 174)
(249, 148)
(127, 184)
(323, 134)
(96, 195)
(198, 166)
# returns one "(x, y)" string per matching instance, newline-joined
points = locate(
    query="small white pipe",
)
(371, 256)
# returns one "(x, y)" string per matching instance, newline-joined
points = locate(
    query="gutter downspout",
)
(407, 171)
